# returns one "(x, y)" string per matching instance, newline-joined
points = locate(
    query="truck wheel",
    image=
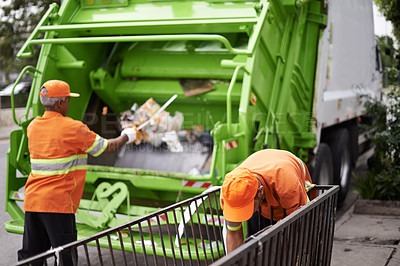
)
(341, 158)
(322, 173)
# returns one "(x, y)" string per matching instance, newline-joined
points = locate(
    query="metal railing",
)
(190, 233)
(30, 70)
(185, 233)
(52, 13)
(305, 237)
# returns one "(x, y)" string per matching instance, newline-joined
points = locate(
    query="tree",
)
(390, 61)
(17, 19)
(383, 178)
(391, 10)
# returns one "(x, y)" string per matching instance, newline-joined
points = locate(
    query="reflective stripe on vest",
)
(302, 165)
(59, 166)
(309, 186)
(99, 145)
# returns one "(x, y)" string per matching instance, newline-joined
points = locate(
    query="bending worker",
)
(58, 147)
(272, 181)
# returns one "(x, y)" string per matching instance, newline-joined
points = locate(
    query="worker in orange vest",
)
(274, 182)
(58, 147)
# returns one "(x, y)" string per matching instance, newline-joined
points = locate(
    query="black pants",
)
(45, 230)
(257, 222)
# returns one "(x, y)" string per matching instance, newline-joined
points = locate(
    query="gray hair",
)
(50, 101)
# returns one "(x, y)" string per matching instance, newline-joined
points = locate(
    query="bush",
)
(383, 179)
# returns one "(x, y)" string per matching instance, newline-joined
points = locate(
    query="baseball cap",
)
(238, 192)
(57, 88)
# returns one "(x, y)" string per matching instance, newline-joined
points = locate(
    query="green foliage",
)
(384, 185)
(390, 9)
(18, 19)
(383, 180)
(366, 187)
(387, 51)
(390, 61)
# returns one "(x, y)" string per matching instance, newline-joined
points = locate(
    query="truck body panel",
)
(348, 65)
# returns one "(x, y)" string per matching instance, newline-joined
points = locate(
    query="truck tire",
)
(353, 129)
(322, 172)
(341, 158)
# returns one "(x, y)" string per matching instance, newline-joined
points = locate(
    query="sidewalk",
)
(364, 236)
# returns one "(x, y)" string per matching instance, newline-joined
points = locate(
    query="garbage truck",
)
(248, 75)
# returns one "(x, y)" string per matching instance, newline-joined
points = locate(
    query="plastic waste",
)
(162, 128)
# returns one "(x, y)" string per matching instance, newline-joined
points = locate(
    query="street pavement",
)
(361, 238)
(9, 243)
(367, 239)
(366, 234)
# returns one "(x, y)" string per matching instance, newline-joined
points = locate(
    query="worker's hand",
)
(132, 134)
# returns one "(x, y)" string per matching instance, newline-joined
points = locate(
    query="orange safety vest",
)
(58, 149)
(285, 179)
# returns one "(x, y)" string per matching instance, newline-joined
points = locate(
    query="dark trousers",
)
(257, 222)
(45, 230)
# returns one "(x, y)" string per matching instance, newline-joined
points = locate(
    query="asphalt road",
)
(10, 243)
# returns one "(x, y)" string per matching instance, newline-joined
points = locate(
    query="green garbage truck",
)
(248, 75)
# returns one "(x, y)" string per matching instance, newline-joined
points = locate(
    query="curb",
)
(345, 217)
(377, 207)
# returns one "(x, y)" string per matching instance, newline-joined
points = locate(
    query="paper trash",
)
(162, 128)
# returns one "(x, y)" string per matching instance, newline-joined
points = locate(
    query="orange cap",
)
(57, 88)
(238, 192)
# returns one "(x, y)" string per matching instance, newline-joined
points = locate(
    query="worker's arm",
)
(234, 235)
(128, 135)
(116, 143)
